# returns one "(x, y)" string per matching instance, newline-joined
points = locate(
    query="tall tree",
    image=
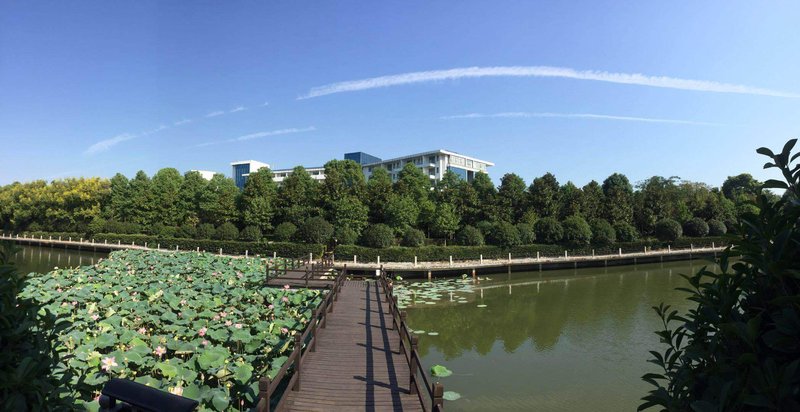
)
(218, 201)
(142, 200)
(511, 197)
(258, 199)
(412, 182)
(119, 206)
(487, 197)
(350, 213)
(592, 201)
(446, 190)
(379, 191)
(543, 194)
(191, 189)
(298, 197)
(742, 185)
(446, 220)
(618, 193)
(571, 201)
(166, 186)
(342, 178)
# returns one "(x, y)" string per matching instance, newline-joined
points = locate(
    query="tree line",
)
(347, 208)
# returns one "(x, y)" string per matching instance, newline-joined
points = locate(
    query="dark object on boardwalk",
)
(125, 395)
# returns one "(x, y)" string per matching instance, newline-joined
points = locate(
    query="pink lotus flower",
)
(216, 317)
(59, 290)
(108, 363)
(142, 330)
(228, 323)
(204, 342)
(74, 303)
(284, 331)
(95, 317)
(285, 299)
(213, 273)
(223, 314)
(189, 278)
(183, 301)
(238, 326)
(202, 331)
(286, 286)
(160, 351)
(271, 306)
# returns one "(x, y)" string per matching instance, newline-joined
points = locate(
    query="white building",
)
(205, 174)
(434, 164)
(317, 173)
(242, 169)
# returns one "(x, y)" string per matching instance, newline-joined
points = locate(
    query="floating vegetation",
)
(440, 371)
(430, 293)
(191, 323)
(451, 396)
(481, 306)
(433, 333)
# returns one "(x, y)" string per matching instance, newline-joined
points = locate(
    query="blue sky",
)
(580, 89)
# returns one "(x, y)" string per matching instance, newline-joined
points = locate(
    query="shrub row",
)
(443, 253)
(284, 249)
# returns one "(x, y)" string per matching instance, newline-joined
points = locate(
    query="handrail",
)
(434, 391)
(266, 386)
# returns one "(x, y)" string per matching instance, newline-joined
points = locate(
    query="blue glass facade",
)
(361, 158)
(462, 173)
(238, 172)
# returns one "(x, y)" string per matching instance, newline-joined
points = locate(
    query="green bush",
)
(716, 228)
(114, 226)
(345, 235)
(251, 234)
(485, 227)
(315, 230)
(695, 227)
(668, 230)
(206, 231)
(469, 236)
(413, 238)
(227, 231)
(443, 253)
(548, 230)
(377, 236)
(187, 231)
(626, 232)
(29, 347)
(503, 234)
(36, 227)
(97, 225)
(737, 347)
(527, 236)
(161, 230)
(576, 231)
(603, 234)
(285, 232)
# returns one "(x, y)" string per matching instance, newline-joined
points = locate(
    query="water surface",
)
(42, 259)
(568, 340)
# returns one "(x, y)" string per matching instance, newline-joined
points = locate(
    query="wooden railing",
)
(317, 269)
(431, 395)
(267, 387)
(277, 269)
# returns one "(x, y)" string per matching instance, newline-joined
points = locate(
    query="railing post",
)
(438, 397)
(314, 330)
(263, 393)
(403, 316)
(298, 345)
(412, 384)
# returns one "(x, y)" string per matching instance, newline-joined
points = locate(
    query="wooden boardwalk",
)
(358, 364)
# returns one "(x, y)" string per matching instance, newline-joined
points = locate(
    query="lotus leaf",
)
(440, 371)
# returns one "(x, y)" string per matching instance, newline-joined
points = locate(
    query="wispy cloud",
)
(238, 109)
(265, 104)
(578, 116)
(216, 113)
(542, 71)
(259, 135)
(182, 122)
(106, 144)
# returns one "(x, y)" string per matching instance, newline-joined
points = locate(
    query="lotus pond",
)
(566, 340)
(199, 325)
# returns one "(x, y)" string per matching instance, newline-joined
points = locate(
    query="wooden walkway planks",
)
(357, 365)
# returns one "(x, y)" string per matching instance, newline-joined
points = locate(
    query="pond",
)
(545, 341)
(42, 259)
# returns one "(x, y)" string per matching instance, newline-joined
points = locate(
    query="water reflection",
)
(41, 259)
(557, 340)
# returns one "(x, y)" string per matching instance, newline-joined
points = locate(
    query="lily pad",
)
(440, 371)
(451, 396)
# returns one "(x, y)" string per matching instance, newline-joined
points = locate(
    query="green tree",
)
(226, 231)
(218, 201)
(571, 200)
(469, 236)
(447, 189)
(548, 230)
(378, 236)
(503, 234)
(741, 186)
(577, 231)
(618, 194)
(487, 198)
(298, 197)
(379, 191)
(412, 182)
(120, 207)
(315, 230)
(413, 238)
(349, 212)
(593, 201)
(511, 197)
(166, 186)
(543, 194)
(603, 234)
(446, 221)
(401, 212)
(343, 178)
(258, 199)
(192, 188)
(143, 205)
(668, 230)
(285, 231)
